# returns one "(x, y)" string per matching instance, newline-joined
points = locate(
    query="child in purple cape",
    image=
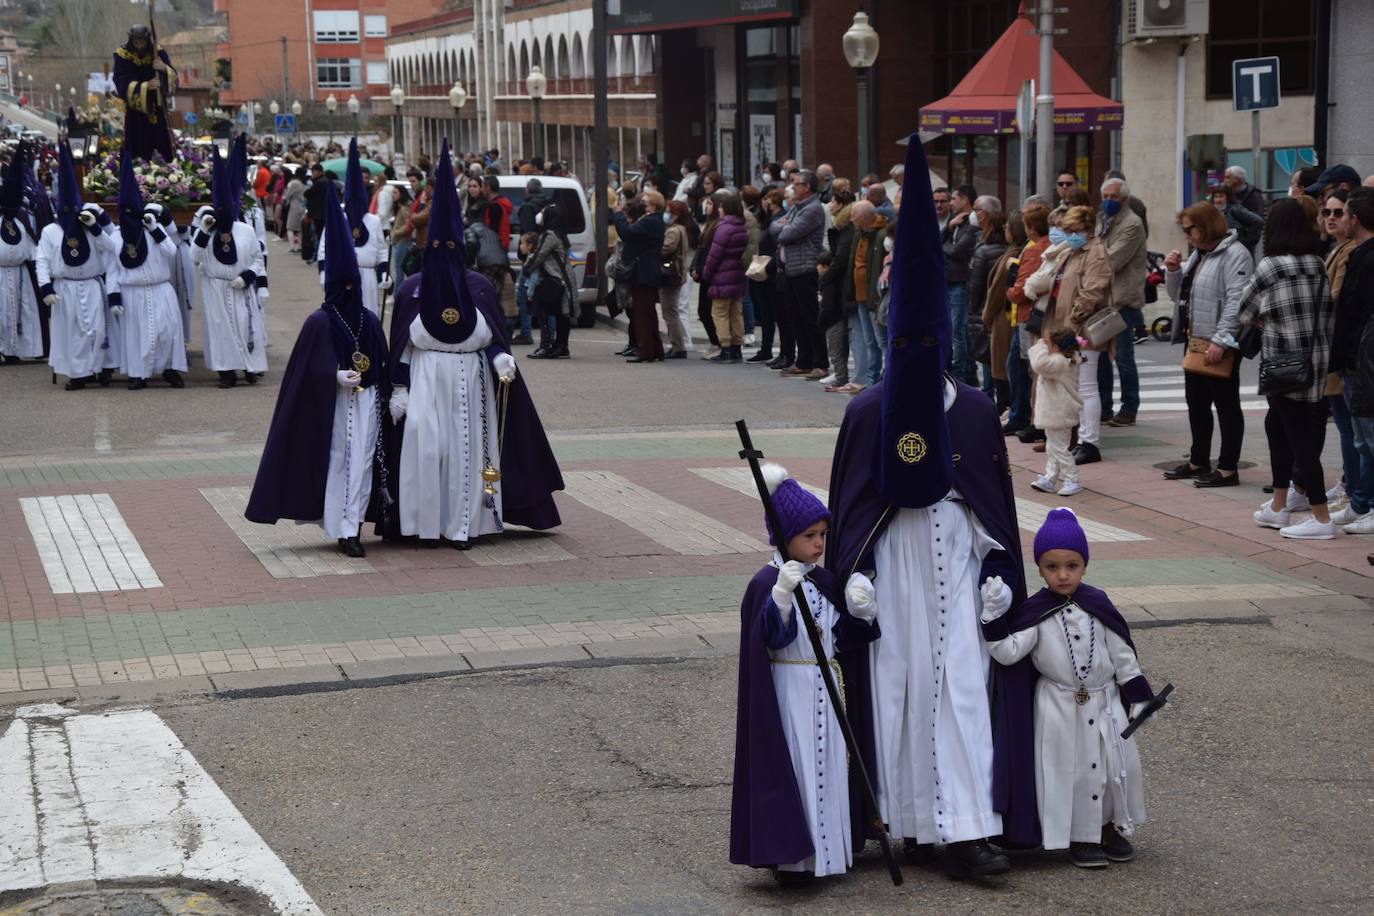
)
(795, 808)
(1088, 785)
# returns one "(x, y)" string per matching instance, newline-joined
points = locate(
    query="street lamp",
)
(296, 108)
(535, 85)
(256, 110)
(861, 51)
(353, 107)
(331, 105)
(457, 97)
(273, 107)
(398, 98)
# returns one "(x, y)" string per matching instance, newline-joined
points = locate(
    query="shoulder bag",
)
(1195, 359)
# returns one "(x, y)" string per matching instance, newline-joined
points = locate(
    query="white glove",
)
(861, 597)
(237, 283)
(51, 300)
(262, 294)
(385, 282)
(400, 399)
(150, 221)
(1136, 709)
(207, 222)
(504, 364)
(996, 598)
(348, 378)
(789, 577)
(117, 311)
(87, 218)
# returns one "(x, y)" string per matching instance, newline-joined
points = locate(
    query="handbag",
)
(1195, 360)
(758, 268)
(1103, 327)
(1287, 374)
(548, 291)
(670, 272)
(620, 271)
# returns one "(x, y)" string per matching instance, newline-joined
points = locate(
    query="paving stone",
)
(650, 646)
(401, 667)
(276, 677)
(143, 691)
(506, 658)
(1307, 604)
(1201, 610)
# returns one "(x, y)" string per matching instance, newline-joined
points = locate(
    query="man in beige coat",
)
(1123, 234)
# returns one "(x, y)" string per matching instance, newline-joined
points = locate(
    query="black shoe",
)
(137, 384)
(228, 380)
(1122, 419)
(918, 853)
(1186, 470)
(1116, 846)
(104, 377)
(763, 356)
(781, 362)
(541, 353)
(1086, 453)
(1140, 336)
(524, 340)
(1012, 430)
(735, 355)
(459, 545)
(793, 878)
(251, 377)
(560, 353)
(1218, 479)
(173, 378)
(75, 384)
(625, 351)
(429, 543)
(1087, 855)
(724, 356)
(1031, 434)
(974, 859)
(351, 547)
(676, 354)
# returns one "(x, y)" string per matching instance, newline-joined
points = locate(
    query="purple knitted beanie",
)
(1061, 531)
(797, 509)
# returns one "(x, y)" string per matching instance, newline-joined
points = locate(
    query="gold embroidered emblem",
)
(357, 233)
(73, 243)
(360, 362)
(911, 448)
(450, 316)
(130, 251)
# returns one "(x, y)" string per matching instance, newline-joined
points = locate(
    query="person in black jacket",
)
(314, 208)
(639, 223)
(960, 237)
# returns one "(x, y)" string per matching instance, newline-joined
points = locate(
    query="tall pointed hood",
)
(238, 172)
(221, 191)
(135, 248)
(355, 194)
(76, 245)
(915, 466)
(12, 191)
(37, 197)
(447, 309)
(342, 279)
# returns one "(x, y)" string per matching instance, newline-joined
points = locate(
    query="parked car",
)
(571, 199)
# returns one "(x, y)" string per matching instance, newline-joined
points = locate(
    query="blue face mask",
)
(1111, 207)
(667, 217)
(1057, 235)
(786, 205)
(1076, 240)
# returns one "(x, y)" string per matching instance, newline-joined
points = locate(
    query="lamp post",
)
(256, 110)
(296, 113)
(331, 105)
(861, 51)
(535, 85)
(457, 97)
(353, 107)
(398, 98)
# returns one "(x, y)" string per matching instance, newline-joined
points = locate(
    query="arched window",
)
(564, 64)
(628, 61)
(524, 70)
(579, 65)
(550, 62)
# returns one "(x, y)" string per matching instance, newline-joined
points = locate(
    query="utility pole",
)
(285, 82)
(601, 161)
(1044, 100)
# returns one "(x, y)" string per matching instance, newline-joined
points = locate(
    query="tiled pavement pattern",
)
(85, 545)
(285, 550)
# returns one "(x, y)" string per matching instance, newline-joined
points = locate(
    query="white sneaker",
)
(1336, 492)
(748, 340)
(1266, 517)
(1337, 504)
(1309, 529)
(1344, 515)
(1070, 488)
(1297, 502)
(828, 380)
(1362, 525)
(1043, 484)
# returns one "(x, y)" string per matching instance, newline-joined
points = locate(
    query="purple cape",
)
(982, 476)
(767, 821)
(295, 461)
(529, 471)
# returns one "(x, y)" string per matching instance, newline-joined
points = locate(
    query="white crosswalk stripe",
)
(1161, 388)
(85, 545)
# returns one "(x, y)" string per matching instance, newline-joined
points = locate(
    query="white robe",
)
(81, 339)
(441, 453)
(232, 317)
(814, 740)
(151, 324)
(1085, 774)
(369, 256)
(352, 445)
(21, 331)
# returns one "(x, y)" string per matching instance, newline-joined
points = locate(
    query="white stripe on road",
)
(286, 550)
(1181, 406)
(670, 524)
(117, 797)
(742, 480)
(1030, 515)
(85, 545)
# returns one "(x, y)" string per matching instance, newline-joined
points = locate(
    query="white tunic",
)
(442, 454)
(233, 318)
(814, 740)
(352, 445)
(151, 324)
(369, 256)
(81, 340)
(21, 333)
(1085, 775)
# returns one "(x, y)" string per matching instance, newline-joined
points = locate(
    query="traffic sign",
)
(1255, 83)
(190, 117)
(284, 123)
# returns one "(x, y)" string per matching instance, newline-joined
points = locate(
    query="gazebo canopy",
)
(984, 102)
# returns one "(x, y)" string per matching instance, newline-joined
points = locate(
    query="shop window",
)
(1241, 29)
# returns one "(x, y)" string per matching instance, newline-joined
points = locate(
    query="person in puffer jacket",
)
(723, 276)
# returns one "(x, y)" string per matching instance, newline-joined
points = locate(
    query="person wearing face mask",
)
(1123, 235)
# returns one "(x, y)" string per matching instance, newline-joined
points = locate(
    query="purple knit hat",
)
(797, 508)
(1061, 531)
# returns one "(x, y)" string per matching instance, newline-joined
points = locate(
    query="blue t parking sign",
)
(1255, 83)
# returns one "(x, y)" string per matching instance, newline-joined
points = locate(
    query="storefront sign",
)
(1003, 121)
(660, 15)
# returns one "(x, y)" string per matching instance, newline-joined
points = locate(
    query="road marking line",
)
(1030, 515)
(102, 433)
(85, 545)
(742, 481)
(286, 550)
(670, 524)
(117, 797)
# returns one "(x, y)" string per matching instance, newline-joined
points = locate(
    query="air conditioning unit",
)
(1165, 18)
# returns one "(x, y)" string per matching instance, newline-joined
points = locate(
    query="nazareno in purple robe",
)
(860, 514)
(767, 822)
(1015, 699)
(529, 471)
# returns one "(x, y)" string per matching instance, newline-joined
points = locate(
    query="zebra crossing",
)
(1161, 384)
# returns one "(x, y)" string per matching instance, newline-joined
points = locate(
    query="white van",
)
(571, 199)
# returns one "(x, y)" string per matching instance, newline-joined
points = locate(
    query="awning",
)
(984, 102)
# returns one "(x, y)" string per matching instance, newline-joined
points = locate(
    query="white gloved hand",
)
(996, 598)
(263, 294)
(237, 283)
(385, 282)
(348, 378)
(51, 300)
(789, 577)
(504, 364)
(861, 597)
(150, 221)
(207, 222)
(117, 311)
(400, 399)
(1136, 709)
(87, 218)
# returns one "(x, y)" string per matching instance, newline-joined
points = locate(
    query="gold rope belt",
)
(834, 666)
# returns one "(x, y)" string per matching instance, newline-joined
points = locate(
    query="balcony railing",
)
(616, 85)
